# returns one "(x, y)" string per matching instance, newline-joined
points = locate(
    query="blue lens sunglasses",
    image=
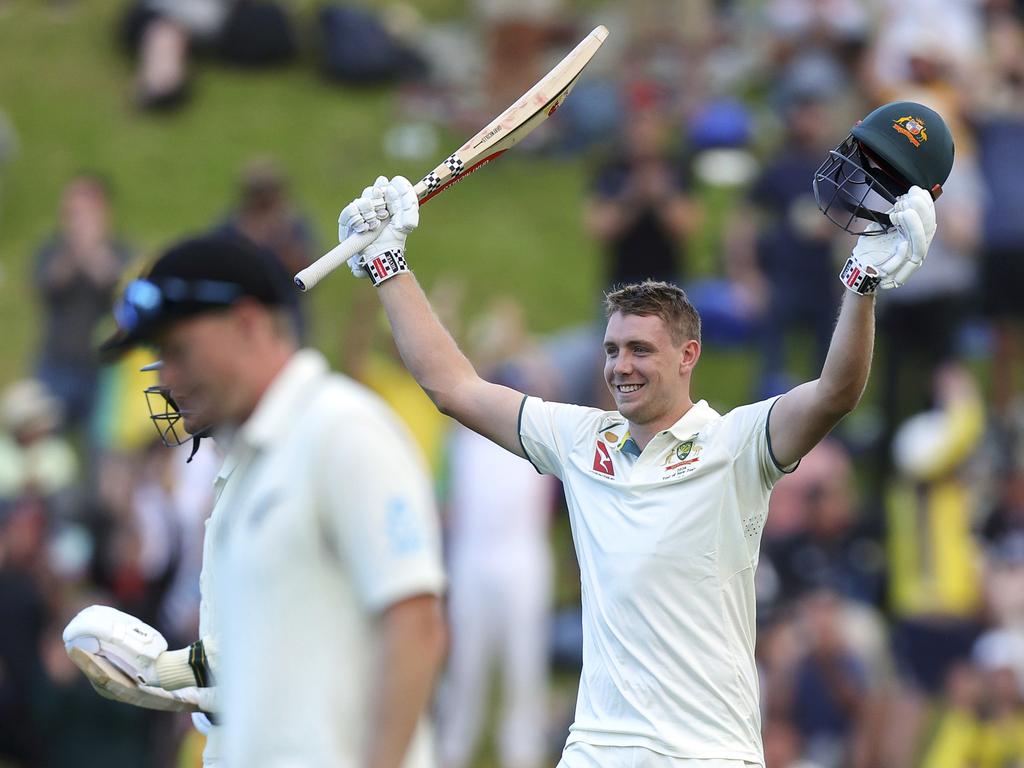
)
(144, 299)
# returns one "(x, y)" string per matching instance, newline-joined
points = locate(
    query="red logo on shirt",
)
(602, 461)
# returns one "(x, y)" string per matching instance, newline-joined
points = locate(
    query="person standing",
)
(667, 498)
(76, 272)
(320, 621)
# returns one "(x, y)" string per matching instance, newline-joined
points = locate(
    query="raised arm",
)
(805, 414)
(427, 349)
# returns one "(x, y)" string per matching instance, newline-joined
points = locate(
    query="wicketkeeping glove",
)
(385, 257)
(887, 261)
(131, 645)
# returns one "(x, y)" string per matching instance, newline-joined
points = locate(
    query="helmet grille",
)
(851, 185)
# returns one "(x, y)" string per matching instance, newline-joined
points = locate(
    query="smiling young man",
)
(667, 498)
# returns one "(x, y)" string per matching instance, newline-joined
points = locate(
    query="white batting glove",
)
(131, 645)
(385, 257)
(367, 213)
(887, 261)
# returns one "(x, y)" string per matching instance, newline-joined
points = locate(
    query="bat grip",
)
(334, 258)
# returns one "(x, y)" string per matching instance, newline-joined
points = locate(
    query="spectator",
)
(921, 327)
(267, 217)
(934, 579)
(829, 684)
(639, 209)
(830, 549)
(33, 458)
(794, 243)
(514, 31)
(1000, 131)
(162, 34)
(23, 616)
(954, 740)
(76, 272)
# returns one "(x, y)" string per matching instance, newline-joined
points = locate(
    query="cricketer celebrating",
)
(667, 498)
(320, 621)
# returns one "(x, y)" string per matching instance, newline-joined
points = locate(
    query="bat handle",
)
(334, 258)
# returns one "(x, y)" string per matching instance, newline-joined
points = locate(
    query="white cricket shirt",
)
(324, 517)
(667, 543)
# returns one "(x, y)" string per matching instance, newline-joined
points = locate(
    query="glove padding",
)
(111, 683)
(129, 644)
(399, 216)
(887, 261)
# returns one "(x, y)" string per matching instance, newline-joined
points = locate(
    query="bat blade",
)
(493, 140)
(515, 123)
(111, 683)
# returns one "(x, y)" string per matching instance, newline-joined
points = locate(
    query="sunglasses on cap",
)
(144, 301)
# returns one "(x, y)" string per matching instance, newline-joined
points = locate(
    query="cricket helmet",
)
(195, 276)
(897, 146)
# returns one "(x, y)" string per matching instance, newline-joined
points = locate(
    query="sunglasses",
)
(145, 300)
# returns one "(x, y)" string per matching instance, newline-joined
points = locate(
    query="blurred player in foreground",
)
(320, 623)
(667, 498)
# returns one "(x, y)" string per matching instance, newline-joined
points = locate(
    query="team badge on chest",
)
(682, 460)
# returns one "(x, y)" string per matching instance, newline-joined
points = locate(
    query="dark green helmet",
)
(898, 146)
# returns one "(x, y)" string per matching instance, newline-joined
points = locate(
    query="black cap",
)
(197, 275)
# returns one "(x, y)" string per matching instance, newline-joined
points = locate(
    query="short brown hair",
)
(653, 297)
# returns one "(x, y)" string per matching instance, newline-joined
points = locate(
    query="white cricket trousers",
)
(580, 755)
(499, 611)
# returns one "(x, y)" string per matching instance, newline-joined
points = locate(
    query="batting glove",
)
(385, 257)
(887, 261)
(131, 645)
(367, 213)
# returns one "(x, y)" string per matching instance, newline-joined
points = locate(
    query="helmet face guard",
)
(167, 417)
(852, 185)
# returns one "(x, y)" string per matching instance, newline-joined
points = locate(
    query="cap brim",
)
(114, 347)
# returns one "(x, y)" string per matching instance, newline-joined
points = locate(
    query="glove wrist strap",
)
(386, 265)
(859, 278)
(173, 670)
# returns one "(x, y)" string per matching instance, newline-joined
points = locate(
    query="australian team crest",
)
(913, 128)
(682, 460)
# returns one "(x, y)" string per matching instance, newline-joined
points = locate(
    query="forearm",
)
(427, 349)
(412, 647)
(848, 363)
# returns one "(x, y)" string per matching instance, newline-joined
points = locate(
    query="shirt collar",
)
(693, 420)
(284, 397)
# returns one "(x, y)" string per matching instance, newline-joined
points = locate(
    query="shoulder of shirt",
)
(588, 417)
(758, 410)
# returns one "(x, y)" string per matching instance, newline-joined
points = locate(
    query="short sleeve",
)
(752, 443)
(548, 432)
(380, 512)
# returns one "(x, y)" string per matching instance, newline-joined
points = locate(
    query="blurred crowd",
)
(891, 579)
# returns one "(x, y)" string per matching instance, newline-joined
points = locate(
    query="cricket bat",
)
(111, 683)
(497, 137)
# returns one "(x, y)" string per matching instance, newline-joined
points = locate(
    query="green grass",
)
(513, 228)
(64, 88)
